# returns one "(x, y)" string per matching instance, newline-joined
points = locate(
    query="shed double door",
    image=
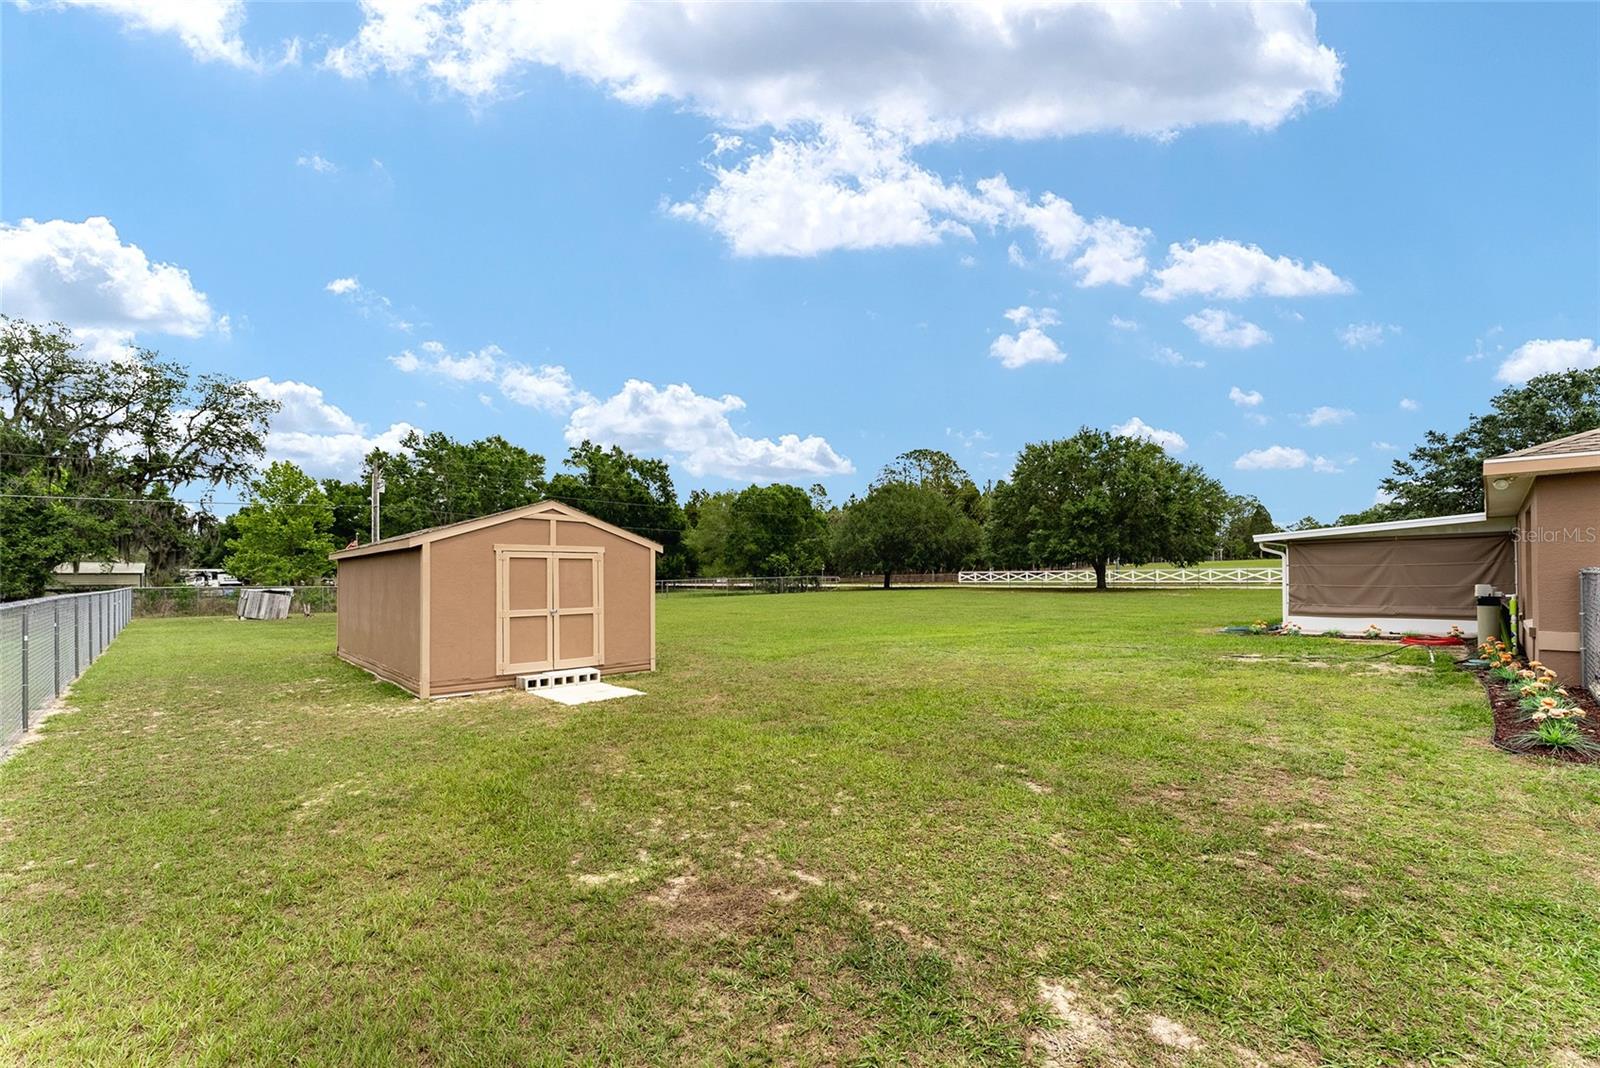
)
(549, 608)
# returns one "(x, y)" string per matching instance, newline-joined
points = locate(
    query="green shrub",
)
(1563, 734)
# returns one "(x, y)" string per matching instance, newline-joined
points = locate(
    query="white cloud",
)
(546, 388)
(845, 186)
(968, 260)
(316, 163)
(394, 35)
(929, 70)
(1273, 458)
(1327, 415)
(480, 366)
(1408, 405)
(1014, 255)
(83, 275)
(1170, 357)
(1480, 347)
(1135, 427)
(209, 29)
(319, 436)
(371, 303)
(695, 431)
(838, 172)
(1117, 322)
(304, 409)
(1114, 254)
(1232, 271)
(1023, 315)
(1324, 466)
(1245, 399)
(1547, 357)
(1366, 335)
(1225, 330)
(1030, 344)
(967, 439)
(1382, 446)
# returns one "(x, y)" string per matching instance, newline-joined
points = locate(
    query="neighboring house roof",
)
(538, 510)
(1585, 441)
(1436, 526)
(101, 567)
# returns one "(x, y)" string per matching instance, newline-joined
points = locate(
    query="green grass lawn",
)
(924, 826)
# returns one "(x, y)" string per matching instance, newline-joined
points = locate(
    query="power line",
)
(112, 500)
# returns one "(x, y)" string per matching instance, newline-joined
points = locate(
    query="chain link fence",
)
(714, 587)
(167, 601)
(1589, 627)
(47, 643)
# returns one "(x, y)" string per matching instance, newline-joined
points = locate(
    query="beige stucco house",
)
(1539, 526)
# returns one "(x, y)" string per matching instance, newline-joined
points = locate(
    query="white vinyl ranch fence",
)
(1244, 577)
(47, 643)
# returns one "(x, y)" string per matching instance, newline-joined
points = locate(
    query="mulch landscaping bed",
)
(1510, 720)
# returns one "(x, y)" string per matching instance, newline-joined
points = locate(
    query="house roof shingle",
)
(1573, 444)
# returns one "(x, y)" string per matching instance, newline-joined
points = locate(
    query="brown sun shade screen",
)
(1421, 577)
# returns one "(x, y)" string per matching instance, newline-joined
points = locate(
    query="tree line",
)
(126, 459)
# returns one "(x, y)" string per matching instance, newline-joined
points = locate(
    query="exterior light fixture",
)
(1502, 483)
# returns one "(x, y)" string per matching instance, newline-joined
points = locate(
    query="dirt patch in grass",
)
(1080, 1030)
(1084, 1026)
(1510, 720)
(1172, 1034)
(692, 908)
(1291, 661)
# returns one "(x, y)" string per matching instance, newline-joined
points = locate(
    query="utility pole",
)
(377, 497)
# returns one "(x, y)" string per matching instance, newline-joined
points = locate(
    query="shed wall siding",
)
(462, 598)
(380, 615)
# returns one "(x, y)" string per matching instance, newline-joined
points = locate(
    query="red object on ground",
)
(1425, 640)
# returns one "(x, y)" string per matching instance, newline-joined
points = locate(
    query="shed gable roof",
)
(539, 510)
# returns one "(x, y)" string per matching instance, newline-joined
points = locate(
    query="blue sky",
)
(772, 244)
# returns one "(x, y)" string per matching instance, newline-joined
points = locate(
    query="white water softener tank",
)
(1488, 612)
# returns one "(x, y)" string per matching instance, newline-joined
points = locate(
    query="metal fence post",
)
(55, 612)
(24, 614)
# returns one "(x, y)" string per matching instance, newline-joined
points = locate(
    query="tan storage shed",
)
(470, 606)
